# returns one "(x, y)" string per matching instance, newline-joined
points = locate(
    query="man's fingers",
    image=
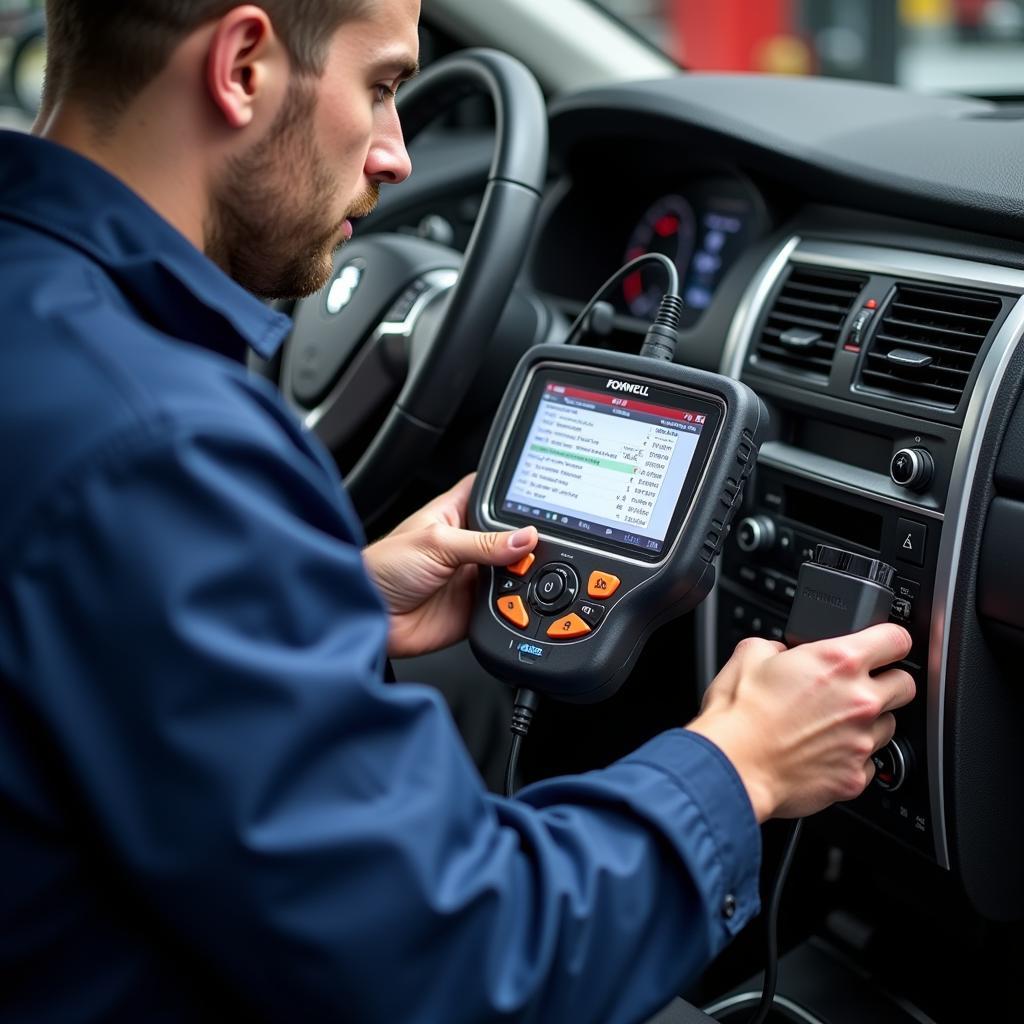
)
(869, 649)
(882, 730)
(465, 547)
(749, 653)
(898, 688)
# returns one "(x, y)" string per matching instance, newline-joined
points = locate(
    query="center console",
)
(878, 366)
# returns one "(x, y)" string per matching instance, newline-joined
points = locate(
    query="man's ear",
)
(243, 57)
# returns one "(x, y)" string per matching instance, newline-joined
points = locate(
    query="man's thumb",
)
(502, 548)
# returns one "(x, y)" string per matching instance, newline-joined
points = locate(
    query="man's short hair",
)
(108, 50)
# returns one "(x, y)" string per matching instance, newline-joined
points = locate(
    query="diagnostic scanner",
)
(631, 469)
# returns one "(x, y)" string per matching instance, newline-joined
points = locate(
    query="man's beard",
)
(266, 224)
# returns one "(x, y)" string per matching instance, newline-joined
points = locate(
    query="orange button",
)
(602, 585)
(522, 567)
(569, 627)
(513, 609)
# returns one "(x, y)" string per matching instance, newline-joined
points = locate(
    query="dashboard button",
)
(514, 610)
(911, 539)
(523, 566)
(602, 585)
(568, 628)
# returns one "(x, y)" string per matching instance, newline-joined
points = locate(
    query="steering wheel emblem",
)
(344, 286)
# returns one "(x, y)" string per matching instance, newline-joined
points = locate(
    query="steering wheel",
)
(405, 314)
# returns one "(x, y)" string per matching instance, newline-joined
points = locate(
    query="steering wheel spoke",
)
(376, 372)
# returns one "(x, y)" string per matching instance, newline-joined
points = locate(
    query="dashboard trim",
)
(965, 469)
(737, 343)
(900, 263)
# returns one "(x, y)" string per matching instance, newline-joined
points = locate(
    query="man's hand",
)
(426, 571)
(800, 726)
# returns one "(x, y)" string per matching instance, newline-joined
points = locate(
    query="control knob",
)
(892, 764)
(756, 533)
(912, 468)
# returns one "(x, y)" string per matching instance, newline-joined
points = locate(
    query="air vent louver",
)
(802, 330)
(926, 345)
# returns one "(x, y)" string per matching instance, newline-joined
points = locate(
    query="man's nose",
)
(388, 161)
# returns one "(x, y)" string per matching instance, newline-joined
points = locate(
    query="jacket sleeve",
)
(202, 641)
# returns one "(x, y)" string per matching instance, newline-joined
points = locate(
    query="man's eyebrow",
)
(400, 69)
(407, 70)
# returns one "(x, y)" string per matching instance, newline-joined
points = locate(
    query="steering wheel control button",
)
(911, 539)
(508, 586)
(523, 566)
(514, 610)
(592, 614)
(890, 767)
(912, 468)
(602, 585)
(550, 587)
(569, 628)
(756, 533)
(403, 304)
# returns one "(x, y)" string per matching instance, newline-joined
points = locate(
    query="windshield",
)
(964, 46)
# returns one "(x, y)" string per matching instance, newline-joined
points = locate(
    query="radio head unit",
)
(631, 470)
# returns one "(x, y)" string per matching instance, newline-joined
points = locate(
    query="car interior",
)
(852, 253)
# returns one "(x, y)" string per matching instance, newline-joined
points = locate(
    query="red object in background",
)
(725, 35)
(969, 13)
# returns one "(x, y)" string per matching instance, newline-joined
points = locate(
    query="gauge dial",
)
(668, 227)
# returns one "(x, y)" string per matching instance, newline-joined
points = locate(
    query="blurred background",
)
(971, 47)
(962, 46)
(22, 60)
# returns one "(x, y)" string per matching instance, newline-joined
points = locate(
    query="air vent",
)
(927, 343)
(802, 330)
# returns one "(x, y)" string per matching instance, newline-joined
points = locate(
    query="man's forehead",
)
(393, 27)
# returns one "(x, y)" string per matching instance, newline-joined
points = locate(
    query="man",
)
(210, 803)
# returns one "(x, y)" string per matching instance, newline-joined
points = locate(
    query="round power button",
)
(550, 587)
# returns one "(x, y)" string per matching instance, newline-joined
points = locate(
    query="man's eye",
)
(384, 93)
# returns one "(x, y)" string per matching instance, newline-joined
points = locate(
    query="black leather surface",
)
(1010, 468)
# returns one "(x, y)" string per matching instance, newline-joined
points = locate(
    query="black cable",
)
(522, 715)
(623, 272)
(771, 970)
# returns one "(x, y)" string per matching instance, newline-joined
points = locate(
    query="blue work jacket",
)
(211, 804)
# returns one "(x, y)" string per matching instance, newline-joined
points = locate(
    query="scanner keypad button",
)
(602, 585)
(568, 628)
(513, 609)
(550, 587)
(590, 613)
(523, 566)
(554, 588)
